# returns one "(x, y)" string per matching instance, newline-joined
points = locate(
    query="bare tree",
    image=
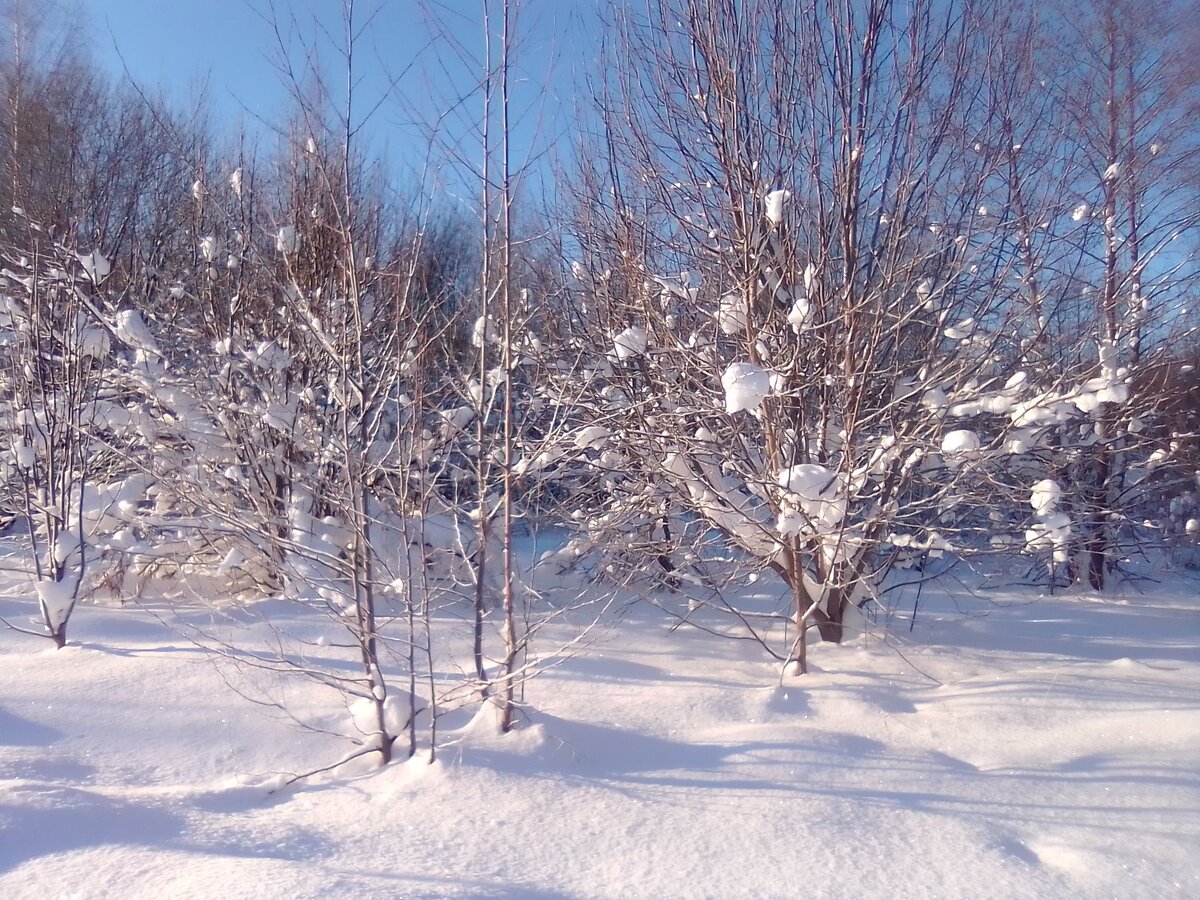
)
(1126, 98)
(827, 176)
(68, 420)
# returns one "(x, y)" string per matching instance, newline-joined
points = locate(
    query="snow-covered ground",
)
(1010, 746)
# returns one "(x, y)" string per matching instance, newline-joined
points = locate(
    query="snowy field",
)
(1009, 746)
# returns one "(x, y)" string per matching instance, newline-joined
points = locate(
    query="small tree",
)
(68, 421)
(829, 182)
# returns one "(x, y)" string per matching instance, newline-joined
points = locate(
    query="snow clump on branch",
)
(630, 343)
(745, 386)
(774, 202)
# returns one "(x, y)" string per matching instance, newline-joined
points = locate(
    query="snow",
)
(745, 386)
(1010, 746)
(1021, 440)
(630, 343)
(962, 441)
(94, 341)
(24, 456)
(56, 599)
(799, 314)
(935, 399)
(483, 331)
(95, 265)
(131, 329)
(287, 241)
(962, 330)
(109, 505)
(209, 247)
(267, 355)
(1044, 497)
(731, 314)
(1053, 530)
(395, 713)
(925, 294)
(810, 278)
(817, 493)
(591, 437)
(279, 415)
(791, 522)
(1052, 533)
(774, 202)
(456, 419)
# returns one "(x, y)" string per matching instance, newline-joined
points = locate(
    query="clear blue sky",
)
(229, 49)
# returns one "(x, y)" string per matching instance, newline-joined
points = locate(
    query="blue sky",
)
(228, 50)
(177, 45)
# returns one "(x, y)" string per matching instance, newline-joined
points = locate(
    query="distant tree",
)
(1125, 92)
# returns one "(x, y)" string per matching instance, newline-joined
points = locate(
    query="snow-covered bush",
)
(74, 421)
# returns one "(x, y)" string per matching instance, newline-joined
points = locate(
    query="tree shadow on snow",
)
(16, 731)
(623, 759)
(47, 819)
(621, 670)
(433, 885)
(586, 749)
(44, 819)
(1074, 628)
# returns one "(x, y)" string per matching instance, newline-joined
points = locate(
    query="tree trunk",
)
(800, 650)
(1096, 543)
(829, 626)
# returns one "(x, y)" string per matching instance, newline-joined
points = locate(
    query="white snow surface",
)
(591, 437)
(799, 314)
(209, 247)
(56, 598)
(94, 341)
(1011, 745)
(816, 492)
